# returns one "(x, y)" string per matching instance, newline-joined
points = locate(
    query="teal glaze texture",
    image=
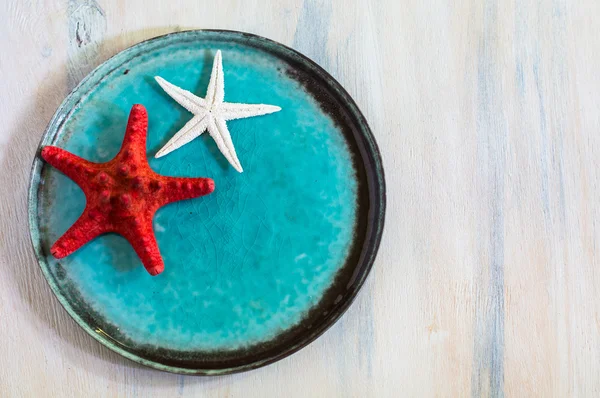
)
(243, 264)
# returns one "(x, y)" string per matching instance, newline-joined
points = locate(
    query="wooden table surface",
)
(487, 114)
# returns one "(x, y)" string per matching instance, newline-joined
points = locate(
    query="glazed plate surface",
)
(253, 271)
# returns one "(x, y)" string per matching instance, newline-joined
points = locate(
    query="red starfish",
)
(122, 194)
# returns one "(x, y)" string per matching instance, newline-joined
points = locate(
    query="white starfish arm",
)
(192, 129)
(220, 133)
(230, 110)
(216, 86)
(186, 99)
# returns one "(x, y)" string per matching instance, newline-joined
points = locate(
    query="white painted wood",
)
(488, 117)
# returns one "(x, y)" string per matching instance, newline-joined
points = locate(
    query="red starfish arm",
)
(86, 228)
(134, 143)
(141, 237)
(74, 167)
(178, 188)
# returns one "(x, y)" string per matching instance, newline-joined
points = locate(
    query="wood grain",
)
(487, 115)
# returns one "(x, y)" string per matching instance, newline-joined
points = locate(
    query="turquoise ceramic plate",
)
(254, 271)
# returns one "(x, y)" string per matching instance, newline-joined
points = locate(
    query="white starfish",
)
(210, 114)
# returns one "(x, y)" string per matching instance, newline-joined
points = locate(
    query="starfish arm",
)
(231, 111)
(216, 86)
(180, 188)
(86, 228)
(186, 99)
(74, 167)
(192, 129)
(141, 237)
(134, 142)
(220, 133)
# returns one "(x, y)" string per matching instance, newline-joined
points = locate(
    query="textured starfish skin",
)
(122, 194)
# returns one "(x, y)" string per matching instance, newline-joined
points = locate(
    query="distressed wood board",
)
(487, 115)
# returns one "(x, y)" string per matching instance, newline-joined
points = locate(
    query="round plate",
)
(254, 271)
